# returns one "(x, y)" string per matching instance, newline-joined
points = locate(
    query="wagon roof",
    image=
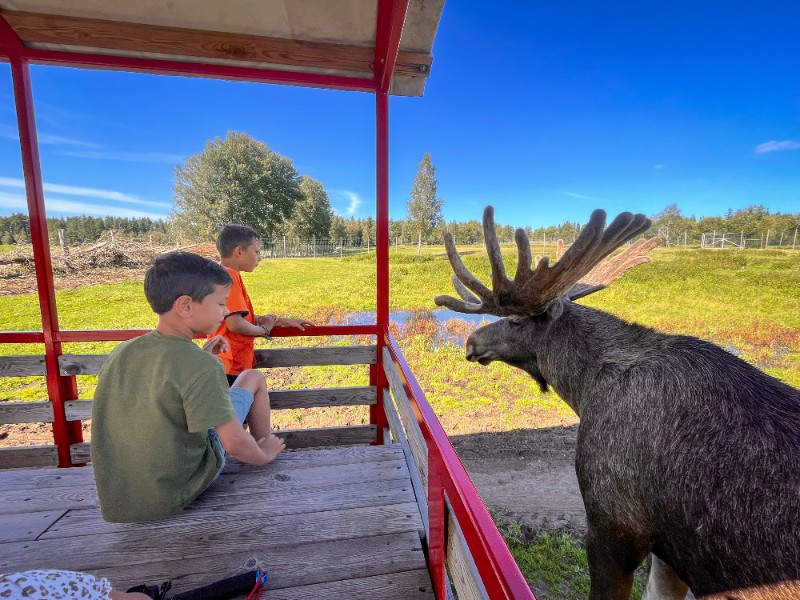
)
(311, 37)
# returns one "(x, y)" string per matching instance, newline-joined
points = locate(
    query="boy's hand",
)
(268, 321)
(300, 324)
(215, 345)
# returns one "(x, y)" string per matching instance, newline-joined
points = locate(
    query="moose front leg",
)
(612, 561)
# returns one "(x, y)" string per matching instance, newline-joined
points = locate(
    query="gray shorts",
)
(241, 400)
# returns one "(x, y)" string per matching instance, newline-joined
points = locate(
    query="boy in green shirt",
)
(163, 415)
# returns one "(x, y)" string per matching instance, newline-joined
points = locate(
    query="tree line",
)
(81, 229)
(239, 179)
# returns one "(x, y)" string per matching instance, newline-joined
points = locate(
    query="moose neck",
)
(585, 349)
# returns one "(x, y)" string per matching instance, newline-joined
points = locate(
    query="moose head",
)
(537, 297)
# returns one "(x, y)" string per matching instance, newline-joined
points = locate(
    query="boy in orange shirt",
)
(239, 249)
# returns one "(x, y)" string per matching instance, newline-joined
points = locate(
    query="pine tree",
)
(424, 208)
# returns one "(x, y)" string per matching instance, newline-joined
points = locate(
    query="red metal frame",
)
(447, 476)
(59, 389)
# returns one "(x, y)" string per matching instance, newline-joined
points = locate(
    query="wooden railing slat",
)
(419, 449)
(326, 355)
(399, 435)
(460, 564)
(26, 412)
(90, 364)
(28, 456)
(81, 410)
(295, 438)
(22, 366)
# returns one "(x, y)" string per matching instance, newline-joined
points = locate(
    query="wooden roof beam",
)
(86, 35)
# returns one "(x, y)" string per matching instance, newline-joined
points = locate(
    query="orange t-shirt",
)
(240, 355)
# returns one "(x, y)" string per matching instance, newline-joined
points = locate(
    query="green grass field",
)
(746, 301)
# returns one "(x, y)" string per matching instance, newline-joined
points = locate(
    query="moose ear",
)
(579, 290)
(555, 310)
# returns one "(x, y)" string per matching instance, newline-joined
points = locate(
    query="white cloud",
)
(143, 157)
(774, 146)
(70, 190)
(579, 196)
(658, 167)
(58, 206)
(353, 199)
(10, 133)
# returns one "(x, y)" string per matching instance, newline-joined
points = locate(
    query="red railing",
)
(497, 569)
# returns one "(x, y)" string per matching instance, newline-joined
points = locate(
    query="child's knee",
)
(253, 379)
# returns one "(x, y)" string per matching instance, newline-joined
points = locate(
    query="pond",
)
(442, 326)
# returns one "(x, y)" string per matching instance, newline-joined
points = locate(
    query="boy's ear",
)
(182, 305)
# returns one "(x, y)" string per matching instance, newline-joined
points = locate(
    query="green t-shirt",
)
(157, 396)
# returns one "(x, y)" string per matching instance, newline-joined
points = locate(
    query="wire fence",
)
(286, 247)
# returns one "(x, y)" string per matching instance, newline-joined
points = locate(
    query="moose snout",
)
(470, 350)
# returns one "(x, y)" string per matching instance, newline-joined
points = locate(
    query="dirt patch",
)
(109, 261)
(527, 476)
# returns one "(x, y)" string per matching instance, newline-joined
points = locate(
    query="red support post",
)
(391, 16)
(59, 389)
(378, 375)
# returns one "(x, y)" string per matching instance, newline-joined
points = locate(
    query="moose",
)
(684, 451)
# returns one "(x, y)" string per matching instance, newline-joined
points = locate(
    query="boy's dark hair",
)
(232, 236)
(177, 274)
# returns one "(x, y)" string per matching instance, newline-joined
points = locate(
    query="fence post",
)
(62, 239)
(284, 246)
(741, 241)
(766, 240)
(341, 248)
(794, 241)
(314, 242)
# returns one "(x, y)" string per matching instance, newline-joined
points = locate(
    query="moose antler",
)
(532, 291)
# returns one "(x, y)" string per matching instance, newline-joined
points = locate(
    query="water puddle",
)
(441, 326)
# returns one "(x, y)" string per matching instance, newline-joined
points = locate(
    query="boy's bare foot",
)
(271, 446)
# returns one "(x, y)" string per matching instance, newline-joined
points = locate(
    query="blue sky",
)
(545, 110)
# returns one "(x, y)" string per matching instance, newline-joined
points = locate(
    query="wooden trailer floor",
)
(326, 523)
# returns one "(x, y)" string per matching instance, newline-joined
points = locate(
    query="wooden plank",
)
(179, 41)
(194, 539)
(26, 412)
(263, 484)
(417, 444)
(28, 456)
(81, 410)
(81, 364)
(293, 565)
(82, 495)
(90, 364)
(289, 461)
(397, 432)
(313, 397)
(461, 566)
(283, 502)
(22, 366)
(408, 584)
(324, 355)
(14, 528)
(294, 438)
(329, 436)
(78, 410)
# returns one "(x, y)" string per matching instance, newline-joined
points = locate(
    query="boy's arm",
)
(270, 321)
(240, 444)
(238, 324)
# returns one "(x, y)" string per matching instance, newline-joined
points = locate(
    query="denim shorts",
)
(241, 400)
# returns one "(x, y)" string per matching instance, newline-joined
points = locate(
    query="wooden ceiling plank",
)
(35, 28)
